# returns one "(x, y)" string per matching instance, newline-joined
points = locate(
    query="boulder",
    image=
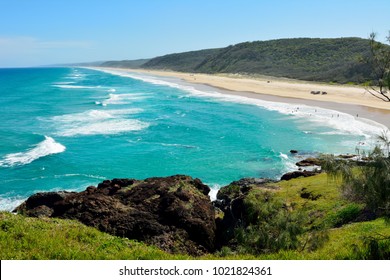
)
(309, 162)
(173, 213)
(297, 174)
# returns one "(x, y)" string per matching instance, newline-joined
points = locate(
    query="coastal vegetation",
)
(302, 218)
(368, 184)
(125, 63)
(339, 60)
(34, 238)
(380, 64)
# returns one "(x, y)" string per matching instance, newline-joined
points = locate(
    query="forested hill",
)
(328, 60)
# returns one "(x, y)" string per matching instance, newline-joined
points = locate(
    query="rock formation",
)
(231, 202)
(173, 213)
(297, 174)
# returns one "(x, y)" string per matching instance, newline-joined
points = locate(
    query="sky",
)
(43, 32)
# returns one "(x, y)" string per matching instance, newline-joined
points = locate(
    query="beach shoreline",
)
(353, 100)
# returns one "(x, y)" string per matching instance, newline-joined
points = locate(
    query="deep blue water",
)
(68, 128)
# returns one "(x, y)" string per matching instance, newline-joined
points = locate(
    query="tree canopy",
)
(380, 63)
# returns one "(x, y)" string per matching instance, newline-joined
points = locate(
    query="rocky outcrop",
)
(231, 202)
(309, 162)
(173, 213)
(297, 174)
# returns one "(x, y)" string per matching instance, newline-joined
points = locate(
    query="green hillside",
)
(328, 60)
(125, 63)
(334, 60)
(184, 62)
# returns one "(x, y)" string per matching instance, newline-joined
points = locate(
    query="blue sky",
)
(39, 32)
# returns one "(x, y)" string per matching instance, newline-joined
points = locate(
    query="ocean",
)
(69, 128)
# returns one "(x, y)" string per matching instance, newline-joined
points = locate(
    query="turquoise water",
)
(68, 128)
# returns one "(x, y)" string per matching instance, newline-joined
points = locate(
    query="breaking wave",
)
(47, 147)
(93, 122)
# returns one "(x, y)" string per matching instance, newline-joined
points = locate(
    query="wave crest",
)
(95, 122)
(47, 147)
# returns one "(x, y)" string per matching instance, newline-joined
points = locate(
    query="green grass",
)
(328, 213)
(45, 239)
(325, 206)
(343, 243)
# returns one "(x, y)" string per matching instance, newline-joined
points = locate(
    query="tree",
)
(384, 138)
(380, 63)
(269, 226)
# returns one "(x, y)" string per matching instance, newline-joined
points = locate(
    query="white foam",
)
(214, 191)
(47, 147)
(80, 175)
(60, 85)
(63, 83)
(124, 98)
(94, 122)
(10, 203)
(107, 127)
(180, 146)
(76, 76)
(336, 122)
(283, 156)
(288, 163)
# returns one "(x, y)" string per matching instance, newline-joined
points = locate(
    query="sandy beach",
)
(354, 100)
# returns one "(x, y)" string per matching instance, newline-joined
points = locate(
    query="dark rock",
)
(39, 199)
(309, 195)
(309, 162)
(173, 213)
(347, 156)
(241, 187)
(297, 174)
(293, 151)
(41, 211)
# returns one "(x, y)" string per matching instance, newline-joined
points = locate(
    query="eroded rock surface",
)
(173, 213)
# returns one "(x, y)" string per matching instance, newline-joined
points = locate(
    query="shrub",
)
(368, 183)
(374, 248)
(271, 226)
(345, 215)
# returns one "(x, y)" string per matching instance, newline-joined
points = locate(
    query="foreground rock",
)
(297, 174)
(173, 213)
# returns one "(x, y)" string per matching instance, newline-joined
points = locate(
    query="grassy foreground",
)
(33, 238)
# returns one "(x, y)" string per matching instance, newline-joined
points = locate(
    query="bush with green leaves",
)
(345, 215)
(368, 183)
(270, 226)
(375, 247)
